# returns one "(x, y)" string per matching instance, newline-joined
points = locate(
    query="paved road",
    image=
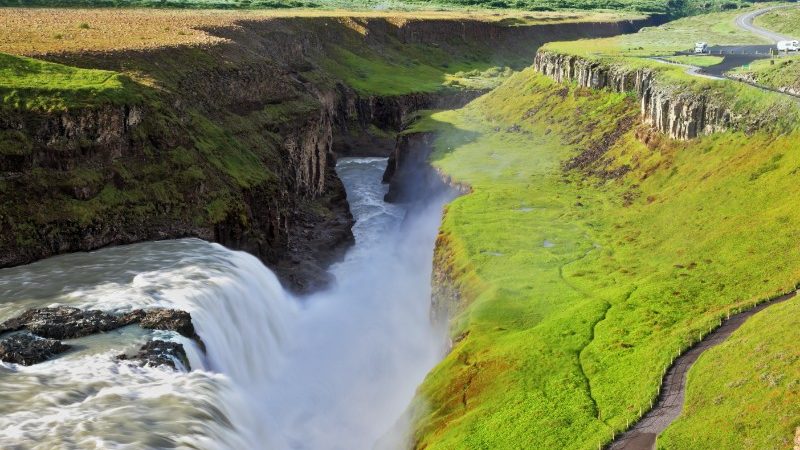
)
(691, 70)
(745, 21)
(642, 436)
(741, 55)
(736, 56)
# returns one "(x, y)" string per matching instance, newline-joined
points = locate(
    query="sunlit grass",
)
(588, 288)
(778, 73)
(692, 60)
(784, 20)
(37, 31)
(744, 393)
(27, 83)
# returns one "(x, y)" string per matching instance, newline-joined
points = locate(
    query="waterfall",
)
(335, 370)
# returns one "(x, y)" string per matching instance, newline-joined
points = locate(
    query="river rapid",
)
(335, 370)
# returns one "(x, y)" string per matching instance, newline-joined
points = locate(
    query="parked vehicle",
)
(788, 46)
(700, 47)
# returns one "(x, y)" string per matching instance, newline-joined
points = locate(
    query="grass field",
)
(34, 32)
(27, 83)
(630, 51)
(650, 6)
(780, 73)
(584, 288)
(785, 21)
(681, 34)
(756, 370)
(692, 60)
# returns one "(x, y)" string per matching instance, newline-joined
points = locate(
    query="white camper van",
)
(700, 47)
(788, 46)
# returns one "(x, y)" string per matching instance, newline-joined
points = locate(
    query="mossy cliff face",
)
(64, 138)
(236, 142)
(677, 113)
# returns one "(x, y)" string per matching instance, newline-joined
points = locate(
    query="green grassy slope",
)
(630, 52)
(744, 394)
(397, 68)
(784, 21)
(780, 73)
(715, 28)
(27, 83)
(585, 284)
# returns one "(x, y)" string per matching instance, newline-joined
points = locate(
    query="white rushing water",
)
(332, 371)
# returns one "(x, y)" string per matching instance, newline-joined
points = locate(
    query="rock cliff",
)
(679, 114)
(234, 143)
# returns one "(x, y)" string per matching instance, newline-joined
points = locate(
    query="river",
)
(334, 370)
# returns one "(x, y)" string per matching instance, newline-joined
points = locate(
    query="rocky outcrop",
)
(161, 319)
(680, 114)
(159, 353)
(386, 113)
(64, 139)
(28, 349)
(45, 327)
(408, 173)
(63, 322)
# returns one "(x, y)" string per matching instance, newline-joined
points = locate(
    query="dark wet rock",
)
(62, 322)
(164, 319)
(159, 353)
(28, 349)
(168, 319)
(132, 317)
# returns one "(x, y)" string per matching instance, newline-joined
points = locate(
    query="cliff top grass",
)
(785, 21)
(692, 60)
(579, 287)
(27, 83)
(780, 73)
(649, 6)
(633, 51)
(715, 28)
(41, 31)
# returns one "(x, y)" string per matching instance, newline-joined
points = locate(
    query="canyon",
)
(450, 215)
(232, 143)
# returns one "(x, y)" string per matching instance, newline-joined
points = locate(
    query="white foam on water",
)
(336, 370)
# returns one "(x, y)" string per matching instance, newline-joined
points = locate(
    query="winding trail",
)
(643, 434)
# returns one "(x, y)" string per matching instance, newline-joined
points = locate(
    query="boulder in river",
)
(47, 326)
(169, 319)
(28, 349)
(160, 353)
(62, 322)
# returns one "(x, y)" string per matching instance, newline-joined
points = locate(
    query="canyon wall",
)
(234, 143)
(678, 113)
